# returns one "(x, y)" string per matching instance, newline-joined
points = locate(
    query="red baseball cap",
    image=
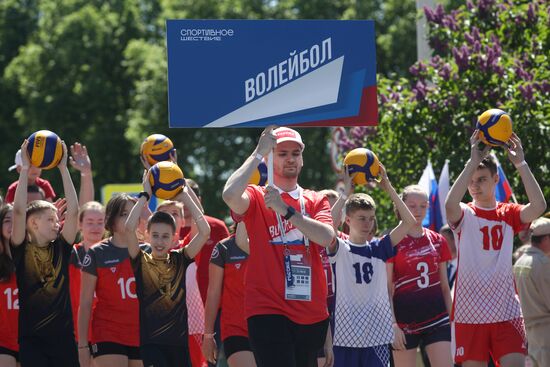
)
(286, 134)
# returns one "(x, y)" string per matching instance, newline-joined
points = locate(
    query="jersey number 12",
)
(11, 298)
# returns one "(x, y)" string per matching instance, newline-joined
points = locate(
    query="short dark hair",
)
(162, 217)
(34, 189)
(115, 207)
(359, 201)
(38, 206)
(193, 185)
(490, 163)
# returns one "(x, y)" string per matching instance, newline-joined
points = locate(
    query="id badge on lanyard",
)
(297, 266)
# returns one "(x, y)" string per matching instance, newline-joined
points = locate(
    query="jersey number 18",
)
(363, 273)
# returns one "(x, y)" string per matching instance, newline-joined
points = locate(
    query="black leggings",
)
(156, 355)
(276, 341)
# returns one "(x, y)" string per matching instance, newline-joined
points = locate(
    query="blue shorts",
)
(377, 356)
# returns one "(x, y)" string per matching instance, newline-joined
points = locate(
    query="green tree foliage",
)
(70, 78)
(95, 72)
(18, 20)
(488, 54)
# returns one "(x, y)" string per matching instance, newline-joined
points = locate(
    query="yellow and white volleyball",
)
(45, 149)
(495, 127)
(157, 148)
(166, 180)
(364, 164)
(259, 176)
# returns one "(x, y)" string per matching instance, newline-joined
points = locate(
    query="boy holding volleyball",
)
(486, 311)
(363, 316)
(41, 255)
(160, 280)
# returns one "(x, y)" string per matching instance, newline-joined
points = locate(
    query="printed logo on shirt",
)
(112, 261)
(113, 269)
(424, 251)
(238, 266)
(292, 235)
(215, 253)
(237, 258)
(87, 260)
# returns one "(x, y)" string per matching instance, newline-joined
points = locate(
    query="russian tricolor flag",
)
(503, 191)
(434, 218)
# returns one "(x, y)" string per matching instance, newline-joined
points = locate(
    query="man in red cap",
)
(285, 294)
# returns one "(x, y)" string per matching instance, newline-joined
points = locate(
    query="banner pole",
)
(270, 169)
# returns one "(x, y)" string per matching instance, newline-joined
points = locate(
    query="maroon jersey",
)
(418, 300)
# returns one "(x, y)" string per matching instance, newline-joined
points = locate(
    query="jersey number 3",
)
(363, 273)
(424, 280)
(494, 238)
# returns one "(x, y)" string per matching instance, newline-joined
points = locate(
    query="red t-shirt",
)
(75, 265)
(115, 317)
(418, 300)
(265, 276)
(40, 182)
(228, 256)
(218, 231)
(9, 314)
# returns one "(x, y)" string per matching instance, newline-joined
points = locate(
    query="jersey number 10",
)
(494, 238)
(125, 289)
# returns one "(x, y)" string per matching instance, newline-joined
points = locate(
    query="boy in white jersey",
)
(486, 310)
(363, 317)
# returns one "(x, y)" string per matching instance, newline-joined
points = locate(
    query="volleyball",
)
(166, 180)
(495, 127)
(45, 149)
(259, 176)
(157, 148)
(363, 162)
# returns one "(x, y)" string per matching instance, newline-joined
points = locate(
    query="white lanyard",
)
(280, 222)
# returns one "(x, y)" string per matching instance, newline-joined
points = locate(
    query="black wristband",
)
(290, 211)
(144, 194)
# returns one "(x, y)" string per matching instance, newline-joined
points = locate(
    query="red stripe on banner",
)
(368, 113)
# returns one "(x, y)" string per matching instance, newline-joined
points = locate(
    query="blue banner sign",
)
(253, 73)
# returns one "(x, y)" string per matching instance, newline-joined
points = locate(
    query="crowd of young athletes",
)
(83, 284)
